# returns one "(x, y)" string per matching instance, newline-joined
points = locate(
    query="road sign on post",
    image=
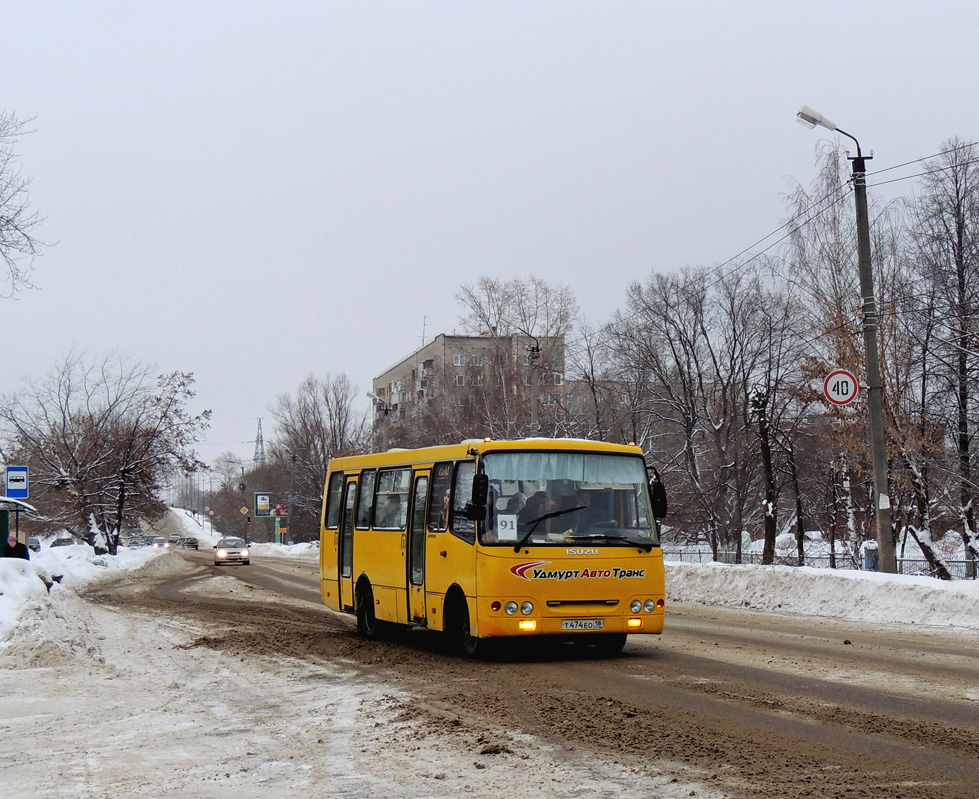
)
(841, 387)
(17, 482)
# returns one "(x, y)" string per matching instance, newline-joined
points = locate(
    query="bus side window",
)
(365, 499)
(438, 510)
(392, 499)
(461, 495)
(333, 493)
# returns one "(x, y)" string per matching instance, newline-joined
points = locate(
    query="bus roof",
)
(478, 446)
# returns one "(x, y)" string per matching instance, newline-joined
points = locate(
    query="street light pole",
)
(882, 502)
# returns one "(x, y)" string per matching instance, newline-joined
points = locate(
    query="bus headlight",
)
(527, 608)
(636, 606)
(510, 608)
(649, 606)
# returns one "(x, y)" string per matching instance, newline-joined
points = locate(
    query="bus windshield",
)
(563, 498)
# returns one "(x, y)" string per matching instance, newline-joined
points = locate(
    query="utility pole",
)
(292, 484)
(882, 500)
(759, 403)
(885, 540)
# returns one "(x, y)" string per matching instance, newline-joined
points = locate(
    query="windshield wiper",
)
(534, 522)
(647, 545)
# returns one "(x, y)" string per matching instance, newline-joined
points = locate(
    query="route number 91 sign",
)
(841, 387)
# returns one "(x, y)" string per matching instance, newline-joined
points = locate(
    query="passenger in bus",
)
(443, 521)
(390, 515)
(536, 507)
(516, 503)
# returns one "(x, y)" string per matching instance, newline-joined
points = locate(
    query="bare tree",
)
(506, 312)
(18, 245)
(315, 424)
(101, 438)
(946, 231)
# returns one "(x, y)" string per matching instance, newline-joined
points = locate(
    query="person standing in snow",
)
(14, 549)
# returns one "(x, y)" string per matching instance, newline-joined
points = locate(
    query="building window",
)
(380, 392)
(526, 360)
(477, 380)
(458, 360)
(475, 360)
(558, 379)
(460, 380)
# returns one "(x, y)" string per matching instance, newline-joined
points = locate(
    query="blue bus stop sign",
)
(17, 483)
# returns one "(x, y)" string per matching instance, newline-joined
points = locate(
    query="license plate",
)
(583, 624)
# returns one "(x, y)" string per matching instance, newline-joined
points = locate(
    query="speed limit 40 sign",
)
(841, 387)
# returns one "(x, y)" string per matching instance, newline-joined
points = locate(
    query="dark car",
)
(64, 542)
(188, 542)
(34, 544)
(231, 550)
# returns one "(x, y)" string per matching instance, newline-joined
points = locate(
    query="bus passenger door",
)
(346, 549)
(416, 551)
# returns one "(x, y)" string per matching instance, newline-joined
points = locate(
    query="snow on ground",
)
(97, 701)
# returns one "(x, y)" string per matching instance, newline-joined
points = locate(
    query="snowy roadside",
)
(97, 701)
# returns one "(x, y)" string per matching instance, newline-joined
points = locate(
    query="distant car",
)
(188, 542)
(174, 538)
(63, 542)
(159, 542)
(138, 541)
(231, 550)
(34, 544)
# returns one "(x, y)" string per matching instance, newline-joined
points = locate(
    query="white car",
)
(231, 550)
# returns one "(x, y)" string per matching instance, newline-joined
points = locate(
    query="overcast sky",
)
(254, 191)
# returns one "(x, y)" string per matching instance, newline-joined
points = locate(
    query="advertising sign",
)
(263, 504)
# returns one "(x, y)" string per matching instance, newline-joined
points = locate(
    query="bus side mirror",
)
(658, 492)
(475, 509)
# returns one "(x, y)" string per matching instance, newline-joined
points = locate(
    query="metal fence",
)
(959, 569)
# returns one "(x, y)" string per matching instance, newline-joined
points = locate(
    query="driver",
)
(590, 516)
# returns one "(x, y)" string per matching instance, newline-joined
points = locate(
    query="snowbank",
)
(290, 550)
(61, 569)
(840, 594)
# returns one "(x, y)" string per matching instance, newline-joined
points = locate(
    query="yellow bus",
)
(494, 539)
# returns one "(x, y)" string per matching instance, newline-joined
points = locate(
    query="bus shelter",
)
(9, 505)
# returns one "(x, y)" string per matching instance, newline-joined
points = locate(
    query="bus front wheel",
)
(460, 632)
(367, 623)
(607, 644)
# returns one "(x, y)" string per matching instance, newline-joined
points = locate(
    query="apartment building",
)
(451, 372)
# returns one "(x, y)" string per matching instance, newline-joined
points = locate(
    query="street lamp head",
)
(810, 118)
